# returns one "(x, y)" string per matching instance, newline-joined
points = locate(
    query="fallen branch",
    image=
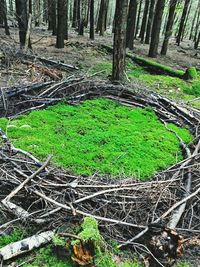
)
(26, 245)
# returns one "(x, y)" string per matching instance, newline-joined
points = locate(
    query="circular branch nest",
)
(124, 207)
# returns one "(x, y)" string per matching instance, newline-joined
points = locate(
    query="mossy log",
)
(189, 74)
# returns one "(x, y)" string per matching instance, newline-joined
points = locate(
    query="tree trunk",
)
(155, 36)
(61, 17)
(138, 19)
(45, 11)
(21, 12)
(101, 24)
(92, 19)
(37, 12)
(52, 20)
(186, 21)
(197, 42)
(144, 21)
(131, 22)
(193, 22)
(1, 13)
(75, 12)
(66, 7)
(3, 7)
(119, 46)
(150, 21)
(182, 22)
(169, 26)
(83, 8)
(30, 9)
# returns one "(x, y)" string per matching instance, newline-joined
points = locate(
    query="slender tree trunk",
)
(61, 17)
(92, 19)
(1, 13)
(138, 19)
(11, 10)
(155, 36)
(30, 6)
(197, 26)
(186, 21)
(87, 14)
(83, 8)
(182, 22)
(45, 11)
(197, 42)
(150, 21)
(131, 22)
(193, 22)
(21, 12)
(144, 20)
(37, 11)
(101, 24)
(75, 12)
(119, 47)
(169, 26)
(66, 7)
(3, 7)
(52, 19)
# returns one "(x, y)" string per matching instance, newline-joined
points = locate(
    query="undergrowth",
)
(16, 235)
(98, 136)
(44, 257)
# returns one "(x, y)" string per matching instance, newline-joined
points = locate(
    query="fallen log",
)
(189, 74)
(56, 64)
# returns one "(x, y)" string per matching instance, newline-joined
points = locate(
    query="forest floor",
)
(94, 61)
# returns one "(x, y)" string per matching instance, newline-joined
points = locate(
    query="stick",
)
(16, 190)
(25, 245)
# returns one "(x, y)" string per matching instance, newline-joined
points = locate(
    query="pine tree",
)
(155, 36)
(119, 47)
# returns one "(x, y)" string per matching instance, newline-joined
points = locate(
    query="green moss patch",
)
(99, 135)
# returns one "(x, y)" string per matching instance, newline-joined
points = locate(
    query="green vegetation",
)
(16, 235)
(90, 232)
(191, 73)
(98, 135)
(194, 89)
(134, 70)
(45, 258)
(90, 235)
(102, 67)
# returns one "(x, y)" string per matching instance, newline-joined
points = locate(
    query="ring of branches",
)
(126, 209)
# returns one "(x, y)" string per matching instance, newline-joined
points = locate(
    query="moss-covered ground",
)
(99, 135)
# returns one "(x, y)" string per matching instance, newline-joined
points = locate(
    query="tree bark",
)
(169, 26)
(150, 21)
(182, 22)
(138, 19)
(194, 19)
(66, 10)
(153, 49)
(196, 44)
(3, 7)
(52, 20)
(144, 21)
(21, 12)
(75, 12)
(119, 47)
(92, 19)
(131, 22)
(61, 17)
(101, 24)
